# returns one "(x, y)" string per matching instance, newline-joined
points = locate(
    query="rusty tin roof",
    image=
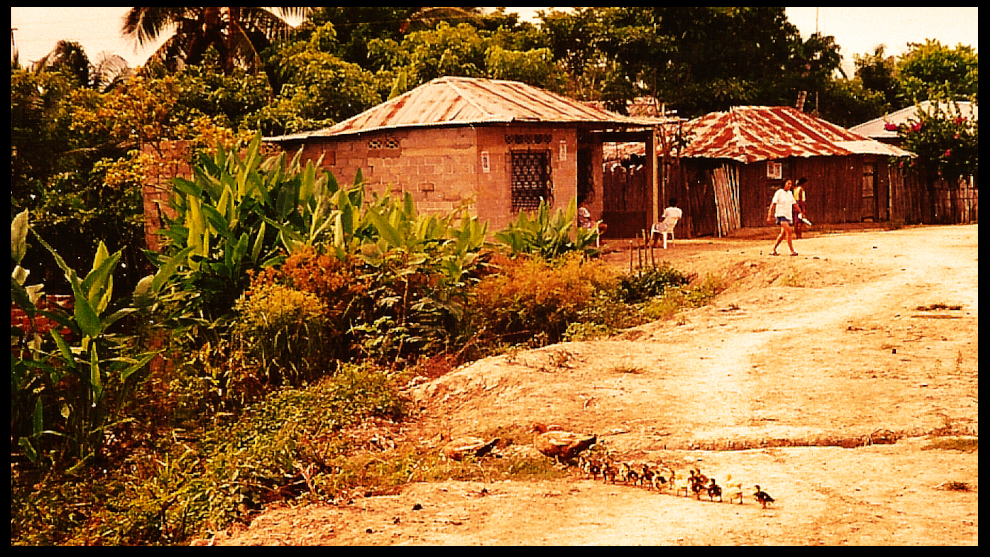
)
(749, 134)
(453, 101)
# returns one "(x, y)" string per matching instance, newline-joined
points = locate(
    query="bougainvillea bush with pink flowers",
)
(946, 141)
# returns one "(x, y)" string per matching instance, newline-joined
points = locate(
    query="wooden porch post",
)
(654, 186)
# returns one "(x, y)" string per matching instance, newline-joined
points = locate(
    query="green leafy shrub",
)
(604, 316)
(677, 298)
(530, 297)
(640, 287)
(66, 391)
(282, 449)
(549, 234)
(269, 453)
(284, 332)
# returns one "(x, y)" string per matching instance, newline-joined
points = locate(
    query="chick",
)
(627, 474)
(701, 477)
(733, 490)
(697, 488)
(763, 497)
(589, 467)
(659, 482)
(679, 483)
(608, 472)
(646, 477)
(594, 469)
(634, 476)
(714, 491)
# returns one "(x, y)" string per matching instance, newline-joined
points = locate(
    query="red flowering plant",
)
(946, 142)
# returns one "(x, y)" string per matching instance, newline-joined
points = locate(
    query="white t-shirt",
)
(784, 200)
(673, 213)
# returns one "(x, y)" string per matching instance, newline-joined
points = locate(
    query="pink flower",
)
(948, 154)
(891, 127)
(960, 121)
(917, 126)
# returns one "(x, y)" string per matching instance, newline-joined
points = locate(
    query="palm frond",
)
(147, 24)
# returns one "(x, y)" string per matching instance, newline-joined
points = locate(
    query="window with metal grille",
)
(531, 180)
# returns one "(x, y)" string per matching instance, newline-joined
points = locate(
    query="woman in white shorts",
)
(781, 212)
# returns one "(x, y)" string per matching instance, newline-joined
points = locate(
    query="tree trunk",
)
(233, 29)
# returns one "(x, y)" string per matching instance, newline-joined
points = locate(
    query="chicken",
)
(463, 447)
(763, 497)
(561, 445)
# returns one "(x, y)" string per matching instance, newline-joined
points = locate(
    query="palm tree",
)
(237, 34)
(70, 59)
(431, 16)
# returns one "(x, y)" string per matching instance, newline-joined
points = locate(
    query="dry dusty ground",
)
(817, 377)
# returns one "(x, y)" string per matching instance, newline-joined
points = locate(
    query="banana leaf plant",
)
(548, 234)
(227, 224)
(71, 388)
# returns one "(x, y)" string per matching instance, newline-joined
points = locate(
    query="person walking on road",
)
(782, 212)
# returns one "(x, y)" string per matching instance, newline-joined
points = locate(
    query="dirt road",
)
(824, 378)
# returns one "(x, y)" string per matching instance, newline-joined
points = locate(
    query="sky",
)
(857, 30)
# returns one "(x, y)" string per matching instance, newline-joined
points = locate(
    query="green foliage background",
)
(291, 306)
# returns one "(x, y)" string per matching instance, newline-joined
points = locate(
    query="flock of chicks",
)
(665, 478)
(566, 446)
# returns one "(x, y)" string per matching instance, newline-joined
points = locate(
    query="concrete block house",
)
(495, 147)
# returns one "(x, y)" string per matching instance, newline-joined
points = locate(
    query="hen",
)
(561, 445)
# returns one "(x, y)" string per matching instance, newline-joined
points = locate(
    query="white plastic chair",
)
(665, 229)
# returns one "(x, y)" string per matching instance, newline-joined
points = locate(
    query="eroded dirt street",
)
(820, 377)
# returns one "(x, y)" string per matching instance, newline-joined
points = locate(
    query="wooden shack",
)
(735, 161)
(912, 200)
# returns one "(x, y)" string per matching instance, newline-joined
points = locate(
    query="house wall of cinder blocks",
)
(451, 167)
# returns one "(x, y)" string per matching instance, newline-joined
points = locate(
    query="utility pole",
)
(12, 43)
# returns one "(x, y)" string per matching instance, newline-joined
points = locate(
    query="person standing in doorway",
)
(782, 212)
(800, 209)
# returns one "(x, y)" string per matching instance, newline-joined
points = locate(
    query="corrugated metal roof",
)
(451, 101)
(751, 134)
(877, 129)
